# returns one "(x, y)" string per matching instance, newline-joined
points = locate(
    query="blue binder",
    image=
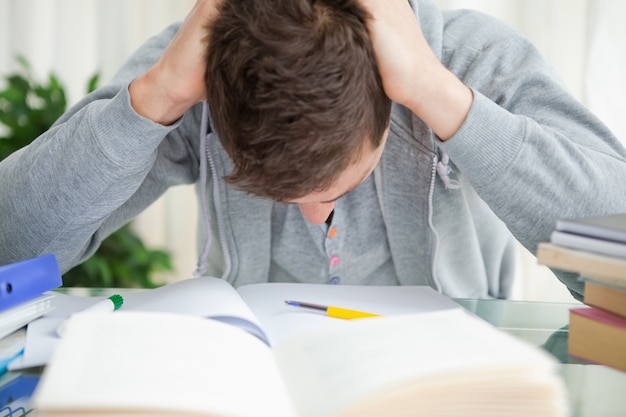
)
(15, 393)
(24, 280)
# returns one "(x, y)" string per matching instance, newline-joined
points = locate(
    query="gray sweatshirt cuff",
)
(487, 143)
(124, 134)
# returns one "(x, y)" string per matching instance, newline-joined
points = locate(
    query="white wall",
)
(76, 38)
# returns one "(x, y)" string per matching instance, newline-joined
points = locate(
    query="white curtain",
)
(583, 40)
(605, 65)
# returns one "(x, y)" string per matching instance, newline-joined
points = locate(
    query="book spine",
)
(603, 247)
(587, 227)
(597, 336)
(606, 297)
(606, 269)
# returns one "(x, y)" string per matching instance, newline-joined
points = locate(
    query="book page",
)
(282, 322)
(204, 297)
(340, 367)
(160, 364)
(20, 315)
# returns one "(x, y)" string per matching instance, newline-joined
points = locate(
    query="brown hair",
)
(294, 92)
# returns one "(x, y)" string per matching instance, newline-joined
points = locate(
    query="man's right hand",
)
(176, 82)
(411, 73)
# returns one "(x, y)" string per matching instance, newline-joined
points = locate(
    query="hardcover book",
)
(610, 227)
(598, 336)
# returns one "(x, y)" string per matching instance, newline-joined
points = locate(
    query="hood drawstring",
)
(206, 217)
(443, 170)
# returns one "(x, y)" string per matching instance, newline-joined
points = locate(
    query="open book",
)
(440, 361)
(246, 308)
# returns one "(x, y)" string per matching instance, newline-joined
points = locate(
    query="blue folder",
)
(25, 280)
(15, 393)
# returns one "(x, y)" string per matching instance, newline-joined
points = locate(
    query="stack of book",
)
(594, 248)
(24, 296)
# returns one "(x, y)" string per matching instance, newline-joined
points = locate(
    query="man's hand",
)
(176, 81)
(411, 73)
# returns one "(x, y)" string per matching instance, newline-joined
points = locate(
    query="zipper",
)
(218, 213)
(435, 235)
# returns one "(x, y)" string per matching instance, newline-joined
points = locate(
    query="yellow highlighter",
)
(331, 311)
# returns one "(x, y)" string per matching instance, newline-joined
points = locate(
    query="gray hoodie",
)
(527, 154)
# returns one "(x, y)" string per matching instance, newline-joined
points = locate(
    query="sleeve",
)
(531, 150)
(99, 166)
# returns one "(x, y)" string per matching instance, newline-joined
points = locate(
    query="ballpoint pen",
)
(107, 305)
(332, 311)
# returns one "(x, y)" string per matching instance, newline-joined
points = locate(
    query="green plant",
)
(122, 260)
(27, 109)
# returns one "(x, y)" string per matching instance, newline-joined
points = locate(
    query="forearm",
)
(59, 190)
(537, 167)
(439, 99)
(98, 167)
(530, 149)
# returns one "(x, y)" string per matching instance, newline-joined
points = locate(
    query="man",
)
(304, 173)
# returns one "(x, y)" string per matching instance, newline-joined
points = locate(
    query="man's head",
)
(295, 93)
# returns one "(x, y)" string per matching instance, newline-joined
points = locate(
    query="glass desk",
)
(594, 390)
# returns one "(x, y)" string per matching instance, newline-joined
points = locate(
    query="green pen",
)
(108, 305)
